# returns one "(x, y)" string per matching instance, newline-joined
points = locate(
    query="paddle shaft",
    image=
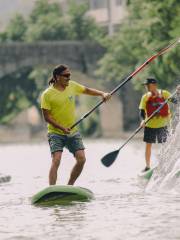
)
(148, 119)
(162, 51)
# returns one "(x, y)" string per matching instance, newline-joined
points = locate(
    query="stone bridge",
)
(81, 56)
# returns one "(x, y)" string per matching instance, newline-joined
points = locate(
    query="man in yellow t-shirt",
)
(58, 108)
(156, 128)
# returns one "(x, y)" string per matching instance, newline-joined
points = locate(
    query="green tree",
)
(47, 23)
(14, 94)
(43, 8)
(82, 26)
(149, 26)
(15, 30)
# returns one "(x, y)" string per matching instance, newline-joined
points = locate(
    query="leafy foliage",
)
(46, 23)
(150, 25)
(15, 94)
(16, 29)
(83, 27)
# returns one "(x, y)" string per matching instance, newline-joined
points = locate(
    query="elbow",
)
(45, 116)
(86, 91)
(142, 114)
(46, 119)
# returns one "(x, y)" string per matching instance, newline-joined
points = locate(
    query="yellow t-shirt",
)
(156, 121)
(61, 105)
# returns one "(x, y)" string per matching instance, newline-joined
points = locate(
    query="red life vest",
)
(154, 102)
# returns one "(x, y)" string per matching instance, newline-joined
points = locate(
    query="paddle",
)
(128, 78)
(109, 158)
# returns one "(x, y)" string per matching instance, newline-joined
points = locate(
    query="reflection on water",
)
(121, 209)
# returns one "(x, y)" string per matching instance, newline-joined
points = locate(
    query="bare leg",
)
(56, 157)
(148, 154)
(77, 169)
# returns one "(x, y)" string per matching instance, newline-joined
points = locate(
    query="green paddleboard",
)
(178, 174)
(61, 194)
(146, 175)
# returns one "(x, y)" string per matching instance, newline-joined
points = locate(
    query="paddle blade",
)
(109, 158)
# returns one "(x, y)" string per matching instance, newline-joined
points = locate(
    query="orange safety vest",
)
(154, 102)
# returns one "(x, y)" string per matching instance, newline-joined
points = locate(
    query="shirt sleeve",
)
(142, 104)
(166, 94)
(78, 88)
(45, 104)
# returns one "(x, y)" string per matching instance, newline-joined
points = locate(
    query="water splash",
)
(166, 176)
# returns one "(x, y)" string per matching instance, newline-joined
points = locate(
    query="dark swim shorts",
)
(153, 135)
(72, 142)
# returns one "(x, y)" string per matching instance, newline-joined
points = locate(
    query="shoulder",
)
(74, 83)
(76, 87)
(46, 92)
(166, 93)
(146, 96)
(143, 101)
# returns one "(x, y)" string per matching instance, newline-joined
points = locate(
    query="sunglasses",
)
(67, 75)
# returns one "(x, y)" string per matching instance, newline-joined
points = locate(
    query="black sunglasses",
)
(67, 75)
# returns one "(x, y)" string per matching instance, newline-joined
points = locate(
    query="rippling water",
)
(167, 174)
(122, 209)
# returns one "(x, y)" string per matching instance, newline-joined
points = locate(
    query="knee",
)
(56, 161)
(81, 160)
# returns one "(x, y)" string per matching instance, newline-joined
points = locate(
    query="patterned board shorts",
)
(72, 142)
(151, 135)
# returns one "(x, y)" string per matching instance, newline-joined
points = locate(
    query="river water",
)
(122, 208)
